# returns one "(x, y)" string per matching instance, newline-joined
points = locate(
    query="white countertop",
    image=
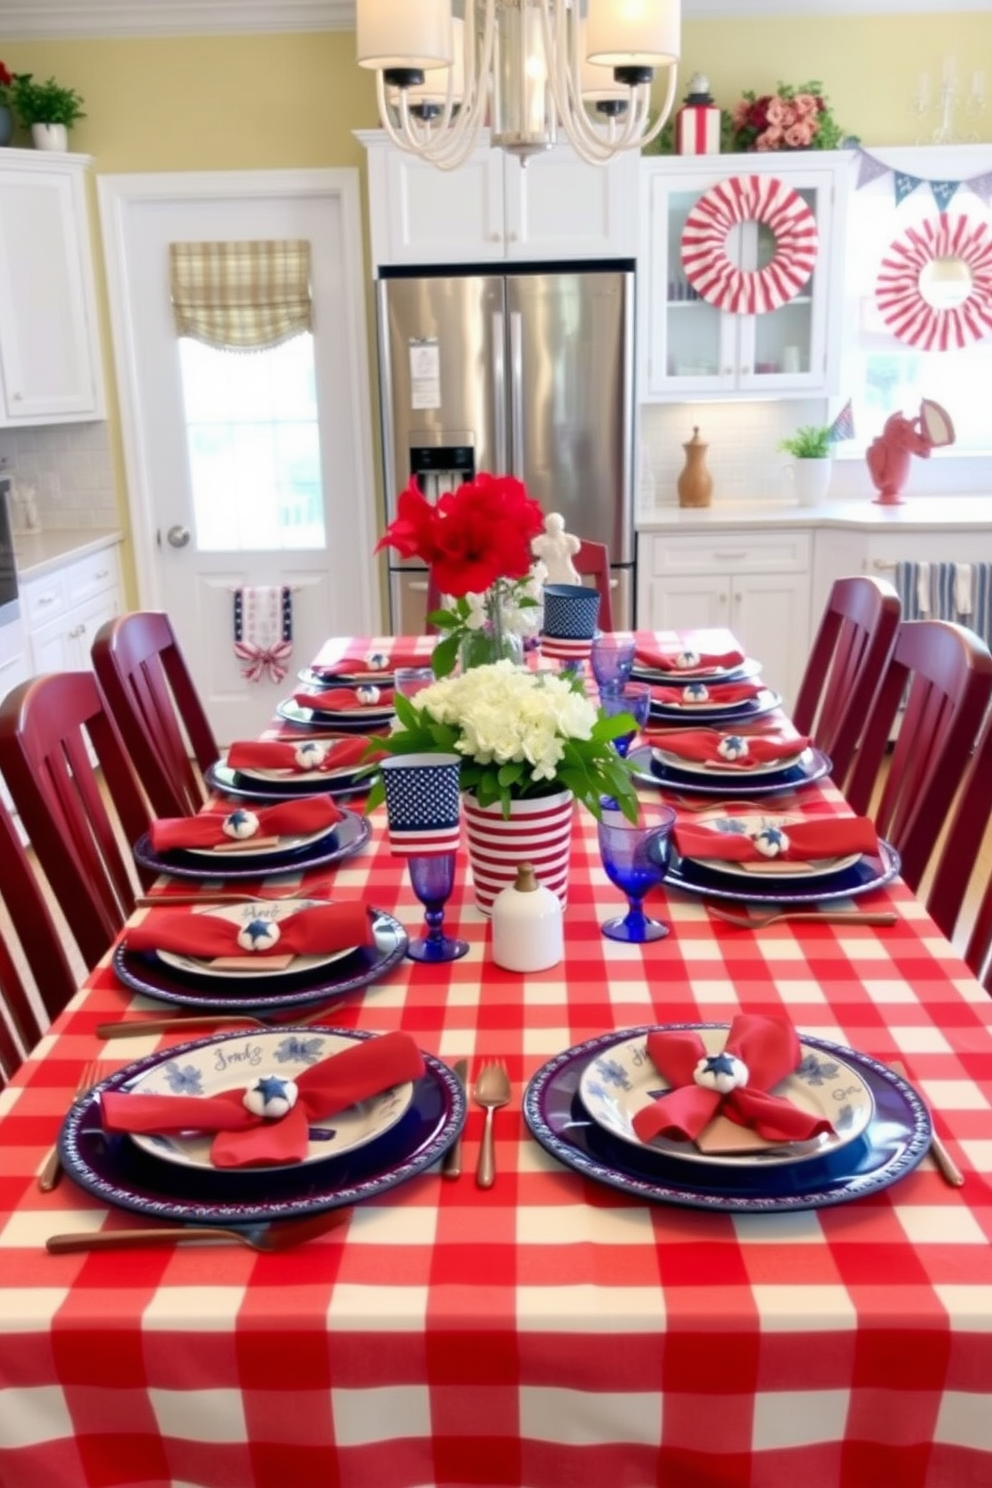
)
(917, 513)
(36, 553)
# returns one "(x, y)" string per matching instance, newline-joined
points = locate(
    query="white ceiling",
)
(36, 19)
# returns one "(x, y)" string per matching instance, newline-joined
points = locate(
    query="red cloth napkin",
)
(722, 694)
(703, 747)
(343, 700)
(828, 837)
(663, 657)
(247, 1140)
(358, 662)
(271, 754)
(320, 928)
(295, 818)
(770, 1050)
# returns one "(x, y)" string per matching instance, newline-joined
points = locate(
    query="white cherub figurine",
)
(556, 548)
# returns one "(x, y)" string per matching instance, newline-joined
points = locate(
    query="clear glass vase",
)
(492, 641)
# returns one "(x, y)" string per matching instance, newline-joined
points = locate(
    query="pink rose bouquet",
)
(788, 119)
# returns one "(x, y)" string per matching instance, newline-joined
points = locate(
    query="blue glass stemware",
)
(612, 658)
(636, 857)
(633, 698)
(432, 877)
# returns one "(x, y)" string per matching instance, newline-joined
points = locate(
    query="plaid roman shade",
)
(243, 296)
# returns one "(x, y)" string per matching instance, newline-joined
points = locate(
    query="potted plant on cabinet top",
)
(811, 462)
(47, 109)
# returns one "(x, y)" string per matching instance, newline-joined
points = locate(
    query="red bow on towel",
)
(307, 755)
(263, 660)
(317, 930)
(344, 700)
(805, 841)
(765, 1049)
(726, 751)
(248, 1140)
(214, 828)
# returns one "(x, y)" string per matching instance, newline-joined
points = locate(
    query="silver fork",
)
(91, 1074)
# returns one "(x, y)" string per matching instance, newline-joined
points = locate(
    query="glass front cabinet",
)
(777, 276)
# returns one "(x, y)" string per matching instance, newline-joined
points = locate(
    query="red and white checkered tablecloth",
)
(548, 1332)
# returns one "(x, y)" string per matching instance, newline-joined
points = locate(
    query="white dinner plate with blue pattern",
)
(622, 1081)
(228, 1063)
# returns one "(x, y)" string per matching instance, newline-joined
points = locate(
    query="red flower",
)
(474, 536)
(6, 78)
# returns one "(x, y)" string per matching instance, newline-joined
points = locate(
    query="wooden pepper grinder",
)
(695, 484)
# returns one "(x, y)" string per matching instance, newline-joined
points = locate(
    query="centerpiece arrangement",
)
(476, 541)
(791, 118)
(531, 743)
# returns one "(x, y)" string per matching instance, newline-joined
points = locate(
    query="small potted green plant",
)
(810, 448)
(47, 109)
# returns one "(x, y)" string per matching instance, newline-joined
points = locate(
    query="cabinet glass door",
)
(782, 348)
(695, 340)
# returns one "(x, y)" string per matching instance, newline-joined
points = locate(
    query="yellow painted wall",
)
(276, 101)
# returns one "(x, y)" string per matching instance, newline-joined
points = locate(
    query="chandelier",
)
(527, 67)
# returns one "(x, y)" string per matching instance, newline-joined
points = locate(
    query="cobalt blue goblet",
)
(432, 877)
(636, 857)
(633, 698)
(612, 658)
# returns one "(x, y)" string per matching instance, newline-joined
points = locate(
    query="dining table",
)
(559, 1327)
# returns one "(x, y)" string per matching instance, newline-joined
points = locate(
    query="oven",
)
(9, 606)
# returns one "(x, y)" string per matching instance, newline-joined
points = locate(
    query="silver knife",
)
(451, 1163)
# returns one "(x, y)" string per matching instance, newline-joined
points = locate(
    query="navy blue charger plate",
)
(705, 716)
(871, 871)
(311, 718)
(346, 837)
(747, 668)
(242, 787)
(895, 1141)
(255, 993)
(115, 1170)
(648, 770)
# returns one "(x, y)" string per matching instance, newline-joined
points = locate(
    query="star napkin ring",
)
(368, 694)
(240, 824)
(770, 841)
(258, 935)
(721, 1072)
(376, 661)
(697, 692)
(310, 756)
(271, 1096)
(686, 660)
(732, 747)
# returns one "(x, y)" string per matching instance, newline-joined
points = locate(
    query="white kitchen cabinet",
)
(754, 584)
(690, 348)
(842, 552)
(65, 607)
(492, 209)
(50, 363)
(14, 669)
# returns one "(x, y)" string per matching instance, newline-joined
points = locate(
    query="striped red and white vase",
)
(537, 831)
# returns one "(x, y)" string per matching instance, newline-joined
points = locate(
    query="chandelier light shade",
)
(533, 69)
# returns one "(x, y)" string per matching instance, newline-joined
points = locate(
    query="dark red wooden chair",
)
(81, 834)
(847, 661)
(157, 708)
(948, 673)
(959, 852)
(41, 952)
(592, 561)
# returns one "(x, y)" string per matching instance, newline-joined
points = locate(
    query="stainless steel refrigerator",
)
(527, 373)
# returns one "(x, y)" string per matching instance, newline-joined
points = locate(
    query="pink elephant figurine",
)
(888, 455)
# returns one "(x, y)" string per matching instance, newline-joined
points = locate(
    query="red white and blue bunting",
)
(870, 168)
(769, 202)
(897, 291)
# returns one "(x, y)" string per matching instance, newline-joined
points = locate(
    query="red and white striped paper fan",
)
(762, 199)
(897, 292)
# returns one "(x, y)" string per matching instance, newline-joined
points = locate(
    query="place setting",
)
(749, 1117)
(240, 1128)
(703, 761)
(310, 832)
(344, 708)
(258, 957)
(702, 656)
(363, 665)
(270, 769)
(772, 859)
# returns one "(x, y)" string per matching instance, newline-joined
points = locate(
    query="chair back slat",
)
(157, 709)
(82, 836)
(592, 561)
(959, 853)
(948, 671)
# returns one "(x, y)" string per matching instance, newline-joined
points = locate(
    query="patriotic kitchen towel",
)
(263, 630)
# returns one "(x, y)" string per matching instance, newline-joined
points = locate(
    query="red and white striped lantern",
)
(762, 199)
(537, 831)
(697, 129)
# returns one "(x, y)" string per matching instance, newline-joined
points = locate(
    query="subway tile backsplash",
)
(70, 468)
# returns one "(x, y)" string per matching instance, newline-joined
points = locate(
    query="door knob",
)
(178, 536)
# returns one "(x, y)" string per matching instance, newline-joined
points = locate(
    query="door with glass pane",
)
(247, 467)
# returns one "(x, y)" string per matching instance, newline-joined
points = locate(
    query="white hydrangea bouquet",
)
(520, 733)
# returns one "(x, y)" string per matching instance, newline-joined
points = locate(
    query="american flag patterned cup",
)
(423, 802)
(570, 615)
